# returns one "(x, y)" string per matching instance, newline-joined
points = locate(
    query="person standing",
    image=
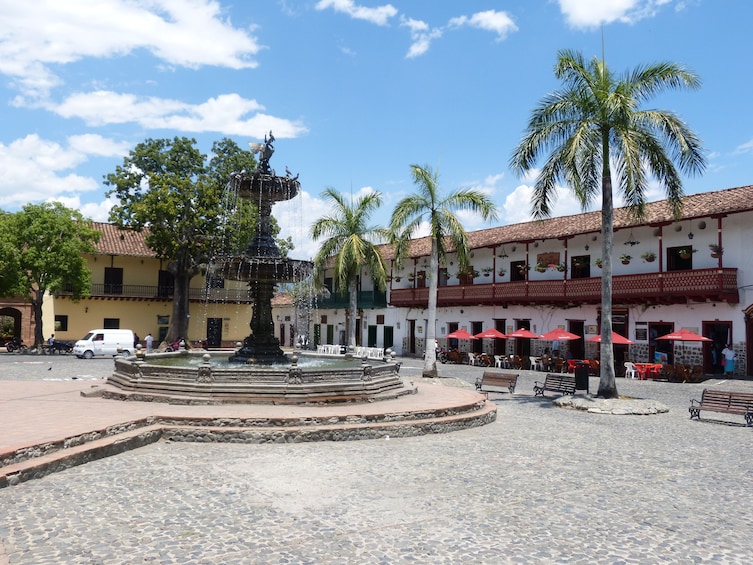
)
(149, 341)
(729, 360)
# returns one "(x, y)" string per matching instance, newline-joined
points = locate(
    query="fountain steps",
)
(174, 391)
(36, 461)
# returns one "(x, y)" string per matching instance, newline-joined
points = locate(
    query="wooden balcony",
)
(671, 287)
(165, 293)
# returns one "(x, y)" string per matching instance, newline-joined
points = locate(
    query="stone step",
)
(38, 461)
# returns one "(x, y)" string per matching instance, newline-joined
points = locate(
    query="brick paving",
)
(539, 485)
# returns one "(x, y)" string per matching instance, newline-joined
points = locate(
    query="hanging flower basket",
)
(625, 259)
(649, 256)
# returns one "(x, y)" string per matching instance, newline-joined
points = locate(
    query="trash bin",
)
(581, 376)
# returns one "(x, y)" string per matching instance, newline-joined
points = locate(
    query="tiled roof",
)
(722, 202)
(115, 241)
(282, 299)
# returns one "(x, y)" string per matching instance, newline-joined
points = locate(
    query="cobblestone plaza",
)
(538, 485)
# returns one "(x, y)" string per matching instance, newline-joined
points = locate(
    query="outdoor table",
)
(572, 363)
(648, 370)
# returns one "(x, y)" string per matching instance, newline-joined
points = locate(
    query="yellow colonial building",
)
(132, 289)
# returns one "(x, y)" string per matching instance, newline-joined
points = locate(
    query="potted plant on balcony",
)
(502, 272)
(561, 267)
(540, 268)
(685, 252)
(487, 271)
(649, 256)
(625, 258)
(716, 250)
(598, 262)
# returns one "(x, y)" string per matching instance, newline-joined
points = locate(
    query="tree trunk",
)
(430, 354)
(352, 312)
(36, 304)
(607, 382)
(179, 320)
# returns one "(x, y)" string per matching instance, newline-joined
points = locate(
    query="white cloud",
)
(516, 207)
(421, 36)
(34, 169)
(589, 14)
(97, 211)
(226, 113)
(35, 36)
(491, 20)
(379, 15)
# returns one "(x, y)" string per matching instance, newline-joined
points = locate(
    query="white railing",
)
(360, 352)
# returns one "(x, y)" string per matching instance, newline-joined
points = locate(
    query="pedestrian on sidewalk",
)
(149, 340)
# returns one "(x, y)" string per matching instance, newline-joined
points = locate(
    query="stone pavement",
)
(539, 485)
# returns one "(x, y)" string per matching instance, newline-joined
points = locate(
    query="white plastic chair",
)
(498, 361)
(630, 370)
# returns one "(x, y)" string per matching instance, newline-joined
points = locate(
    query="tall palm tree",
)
(427, 205)
(350, 246)
(593, 124)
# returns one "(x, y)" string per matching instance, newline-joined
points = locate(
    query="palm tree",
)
(594, 124)
(350, 247)
(445, 229)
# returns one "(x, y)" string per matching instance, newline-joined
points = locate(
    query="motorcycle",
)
(15, 344)
(176, 345)
(60, 347)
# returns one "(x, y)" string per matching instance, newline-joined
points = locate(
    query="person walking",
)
(729, 360)
(149, 341)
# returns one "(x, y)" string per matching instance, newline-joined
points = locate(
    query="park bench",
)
(563, 383)
(724, 401)
(494, 379)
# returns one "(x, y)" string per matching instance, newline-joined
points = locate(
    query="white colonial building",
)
(541, 275)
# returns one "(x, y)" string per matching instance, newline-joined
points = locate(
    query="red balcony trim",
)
(669, 287)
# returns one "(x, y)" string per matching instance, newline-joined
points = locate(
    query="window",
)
(113, 280)
(679, 258)
(580, 267)
(214, 281)
(444, 275)
(61, 324)
(421, 279)
(165, 284)
(518, 270)
(111, 323)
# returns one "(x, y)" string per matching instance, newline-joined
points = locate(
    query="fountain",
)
(262, 265)
(258, 371)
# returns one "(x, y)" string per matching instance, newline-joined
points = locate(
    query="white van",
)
(104, 342)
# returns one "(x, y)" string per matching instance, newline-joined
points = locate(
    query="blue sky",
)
(354, 90)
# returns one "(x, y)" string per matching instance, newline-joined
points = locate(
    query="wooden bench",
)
(724, 401)
(503, 380)
(563, 383)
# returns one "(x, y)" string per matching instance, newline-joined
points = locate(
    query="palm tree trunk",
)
(607, 383)
(352, 312)
(430, 354)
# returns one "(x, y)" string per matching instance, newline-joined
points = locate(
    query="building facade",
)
(694, 272)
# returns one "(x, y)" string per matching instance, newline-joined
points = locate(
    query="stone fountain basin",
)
(202, 378)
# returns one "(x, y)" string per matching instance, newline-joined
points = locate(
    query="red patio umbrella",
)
(558, 334)
(491, 333)
(524, 333)
(683, 335)
(617, 339)
(460, 334)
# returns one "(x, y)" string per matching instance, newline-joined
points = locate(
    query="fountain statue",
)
(261, 264)
(258, 371)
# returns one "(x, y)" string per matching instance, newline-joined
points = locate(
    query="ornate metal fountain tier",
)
(262, 265)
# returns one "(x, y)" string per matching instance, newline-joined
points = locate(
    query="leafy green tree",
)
(11, 277)
(594, 124)
(46, 243)
(165, 187)
(429, 206)
(350, 246)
